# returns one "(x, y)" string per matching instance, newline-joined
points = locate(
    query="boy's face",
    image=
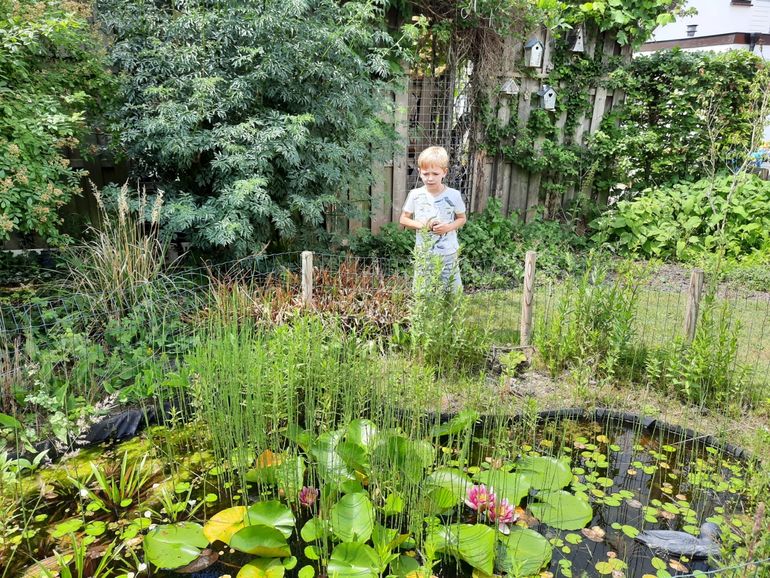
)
(432, 176)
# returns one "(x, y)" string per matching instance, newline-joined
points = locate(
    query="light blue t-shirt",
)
(443, 208)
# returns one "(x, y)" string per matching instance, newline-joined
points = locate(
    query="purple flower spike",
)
(480, 498)
(308, 496)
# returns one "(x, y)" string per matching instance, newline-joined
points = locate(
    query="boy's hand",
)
(440, 228)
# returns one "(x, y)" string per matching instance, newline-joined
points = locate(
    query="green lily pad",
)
(271, 513)
(451, 479)
(352, 518)
(562, 510)
(512, 486)
(331, 467)
(523, 552)
(262, 568)
(545, 473)
(361, 432)
(473, 543)
(354, 560)
(314, 529)
(262, 541)
(67, 527)
(175, 545)
(403, 566)
(410, 457)
(306, 572)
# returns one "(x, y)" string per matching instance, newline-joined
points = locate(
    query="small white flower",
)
(148, 514)
(130, 575)
(83, 493)
(192, 502)
(142, 567)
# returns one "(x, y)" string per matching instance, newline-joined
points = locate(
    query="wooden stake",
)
(307, 278)
(693, 303)
(527, 297)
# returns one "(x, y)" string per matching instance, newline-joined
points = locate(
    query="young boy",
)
(436, 212)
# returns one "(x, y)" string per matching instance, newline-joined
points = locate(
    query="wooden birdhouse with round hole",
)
(576, 39)
(510, 87)
(533, 53)
(547, 97)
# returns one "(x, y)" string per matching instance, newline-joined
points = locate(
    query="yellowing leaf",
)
(224, 524)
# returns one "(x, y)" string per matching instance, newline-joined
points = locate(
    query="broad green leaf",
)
(511, 485)
(331, 466)
(224, 524)
(472, 543)
(394, 504)
(353, 560)
(306, 572)
(352, 518)
(261, 541)
(523, 552)
(314, 529)
(271, 513)
(361, 432)
(562, 510)
(451, 479)
(67, 527)
(410, 457)
(262, 568)
(9, 421)
(545, 473)
(404, 566)
(174, 545)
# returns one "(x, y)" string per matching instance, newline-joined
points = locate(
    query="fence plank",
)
(307, 278)
(693, 304)
(400, 158)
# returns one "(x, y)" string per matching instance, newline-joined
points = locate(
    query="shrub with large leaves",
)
(253, 117)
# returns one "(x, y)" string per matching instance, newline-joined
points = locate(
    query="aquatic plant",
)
(480, 498)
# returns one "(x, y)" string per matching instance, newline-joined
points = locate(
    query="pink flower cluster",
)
(308, 496)
(484, 501)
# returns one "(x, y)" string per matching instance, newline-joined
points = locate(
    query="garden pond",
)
(473, 497)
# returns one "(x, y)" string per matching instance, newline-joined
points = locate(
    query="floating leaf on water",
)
(562, 510)
(630, 531)
(666, 515)
(523, 552)
(174, 545)
(658, 564)
(631, 472)
(668, 448)
(545, 473)
(262, 568)
(634, 503)
(573, 538)
(681, 497)
(306, 572)
(453, 480)
(261, 540)
(224, 524)
(96, 528)
(694, 530)
(513, 486)
(473, 543)
(67, 527)
(352, 518)
(354, 560)
(614, 448)
(289, 563)
(312, 553)
(314, 529)
(595, 533)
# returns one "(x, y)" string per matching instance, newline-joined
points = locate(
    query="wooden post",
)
(693, 303)
(307, 278)
(527, 296)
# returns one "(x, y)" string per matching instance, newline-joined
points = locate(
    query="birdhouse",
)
(576, 39)
(547, 97)
(533, 53)
(510, 87)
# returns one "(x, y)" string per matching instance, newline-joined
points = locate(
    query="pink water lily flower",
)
(503, 514)
(480, 498)
(308, 496)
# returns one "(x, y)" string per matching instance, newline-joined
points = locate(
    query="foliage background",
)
(251, 118)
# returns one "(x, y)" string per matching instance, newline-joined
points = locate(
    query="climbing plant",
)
(53, 83)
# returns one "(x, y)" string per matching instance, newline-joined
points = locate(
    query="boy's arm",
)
(407, 221)
(443, 228)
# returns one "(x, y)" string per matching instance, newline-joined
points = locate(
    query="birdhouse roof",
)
(545, 90)
(533, 42)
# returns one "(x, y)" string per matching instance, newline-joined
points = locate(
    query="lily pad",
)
(512, 486)
(473, 543)
(262, 568)
(523, 552)
(262, 541)
(354, 560)
(331, 467)
(224, 524)
(544, 472)
(410, 457)
(562, 510)
(361, 432)
(272, 513)
(352, 518)
(314, 529)
(174, 545)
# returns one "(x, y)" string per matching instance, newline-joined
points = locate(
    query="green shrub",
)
(688, 220)
(592, 323)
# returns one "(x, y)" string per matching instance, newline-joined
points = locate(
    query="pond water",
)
(634, 480)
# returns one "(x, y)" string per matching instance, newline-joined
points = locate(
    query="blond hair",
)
(433, 157)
